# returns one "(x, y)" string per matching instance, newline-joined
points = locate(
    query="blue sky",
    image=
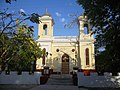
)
(58, 9)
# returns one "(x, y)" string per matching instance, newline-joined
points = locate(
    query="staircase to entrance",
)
(62, 79)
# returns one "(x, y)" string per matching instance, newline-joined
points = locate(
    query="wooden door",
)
(65, 64)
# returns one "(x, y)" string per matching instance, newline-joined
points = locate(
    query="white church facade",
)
(63, 53)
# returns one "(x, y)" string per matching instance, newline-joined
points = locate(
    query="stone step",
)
(59, 83)
(60, 80)
(60, 77)
(69, 84)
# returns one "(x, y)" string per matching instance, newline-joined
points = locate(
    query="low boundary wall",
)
(98, 81)
(24, 78)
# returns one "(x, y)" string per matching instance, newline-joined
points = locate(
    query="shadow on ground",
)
(16, 87)
(27, 87)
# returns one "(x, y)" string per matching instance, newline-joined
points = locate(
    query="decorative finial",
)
(46, 11)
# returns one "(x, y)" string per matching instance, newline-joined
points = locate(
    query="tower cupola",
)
(45, 27)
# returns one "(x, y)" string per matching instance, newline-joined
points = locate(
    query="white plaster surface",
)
(24, 78)
(98, 81)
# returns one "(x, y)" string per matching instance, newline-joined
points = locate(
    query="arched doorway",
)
(65, 64)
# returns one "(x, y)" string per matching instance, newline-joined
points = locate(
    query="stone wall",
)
(107, 80)
(24, 78)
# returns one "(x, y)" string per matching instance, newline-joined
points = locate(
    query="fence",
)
(24, 78)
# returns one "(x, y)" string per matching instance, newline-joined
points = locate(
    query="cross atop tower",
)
(46, 11)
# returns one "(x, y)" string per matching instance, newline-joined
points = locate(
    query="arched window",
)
(45, 28)
(87, 56)
(86, 30)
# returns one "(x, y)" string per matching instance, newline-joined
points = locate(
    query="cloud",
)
(62, 20)
(58, 14)
(21, 10)
(72, 15)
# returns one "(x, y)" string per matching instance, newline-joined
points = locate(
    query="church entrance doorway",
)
(65, 64)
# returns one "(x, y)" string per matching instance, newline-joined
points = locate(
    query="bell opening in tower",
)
(45, 28)
(86, 30)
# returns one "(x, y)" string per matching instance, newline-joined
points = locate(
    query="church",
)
(63, 53)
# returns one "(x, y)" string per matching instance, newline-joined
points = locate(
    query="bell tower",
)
(86, 44)
(45, 27)
(84, 26)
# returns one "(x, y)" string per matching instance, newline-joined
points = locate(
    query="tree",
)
(9, 1)
(18, 50)
(105, 17)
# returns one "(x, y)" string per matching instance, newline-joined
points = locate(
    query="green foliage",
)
(105, 17)
(34, 18)
(18, 50)
(9, 1)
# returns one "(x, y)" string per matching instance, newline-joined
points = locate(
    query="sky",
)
(60, 10)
